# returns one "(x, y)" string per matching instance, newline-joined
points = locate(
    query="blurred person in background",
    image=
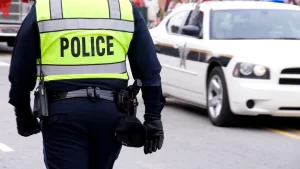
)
(153, 9)
(163, 6)
(173, 5)
(292, 2)
(139, 3)
(196, 18)
(167, 5)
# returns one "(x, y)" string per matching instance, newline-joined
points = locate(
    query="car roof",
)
(231, 5)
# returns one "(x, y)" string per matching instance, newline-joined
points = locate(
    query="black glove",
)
(155, 136)
(131, 132)
(27, 124)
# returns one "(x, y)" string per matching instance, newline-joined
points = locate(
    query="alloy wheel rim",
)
(215, 96)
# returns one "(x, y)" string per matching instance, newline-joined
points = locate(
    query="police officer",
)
(83, 44)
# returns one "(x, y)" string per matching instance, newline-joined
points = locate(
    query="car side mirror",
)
(191, 30)
(174, 29)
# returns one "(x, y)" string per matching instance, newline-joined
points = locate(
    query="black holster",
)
(129, 130)
(40, 106)
(127, 104)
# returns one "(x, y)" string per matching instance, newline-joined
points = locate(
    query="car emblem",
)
(183, 53)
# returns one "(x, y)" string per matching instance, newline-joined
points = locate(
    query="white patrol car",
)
(242, 58)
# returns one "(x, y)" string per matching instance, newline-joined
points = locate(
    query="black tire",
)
(225, 118)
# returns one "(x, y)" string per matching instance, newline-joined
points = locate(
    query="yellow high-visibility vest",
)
(84, 39)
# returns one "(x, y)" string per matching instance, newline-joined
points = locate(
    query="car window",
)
(255, 24)
(196, 19)
(176, 22)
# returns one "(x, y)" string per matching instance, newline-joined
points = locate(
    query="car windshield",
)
(255, 24)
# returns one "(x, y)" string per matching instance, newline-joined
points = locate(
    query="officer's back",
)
(79, 49)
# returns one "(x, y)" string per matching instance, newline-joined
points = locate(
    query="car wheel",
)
(217, 99)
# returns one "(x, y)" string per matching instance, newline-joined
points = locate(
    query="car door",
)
(193, 62)
(167, 47)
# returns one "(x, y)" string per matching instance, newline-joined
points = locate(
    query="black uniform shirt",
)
(142, 57)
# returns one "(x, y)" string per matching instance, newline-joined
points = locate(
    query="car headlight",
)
(249, 70)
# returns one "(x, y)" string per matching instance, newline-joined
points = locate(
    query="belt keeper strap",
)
(97, 92)
(90, 92)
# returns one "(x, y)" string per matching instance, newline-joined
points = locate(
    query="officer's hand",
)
(27, 124)
(155, 136)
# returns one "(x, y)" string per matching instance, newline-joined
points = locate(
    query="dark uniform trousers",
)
(79, 134)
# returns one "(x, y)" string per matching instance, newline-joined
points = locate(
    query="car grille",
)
(290, 76)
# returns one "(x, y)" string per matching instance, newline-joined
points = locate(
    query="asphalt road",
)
(191, 142)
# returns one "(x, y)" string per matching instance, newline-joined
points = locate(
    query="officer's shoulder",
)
(134, 7)
(135, 11)
(132, 3)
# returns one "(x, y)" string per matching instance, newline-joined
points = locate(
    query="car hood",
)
(267, 52)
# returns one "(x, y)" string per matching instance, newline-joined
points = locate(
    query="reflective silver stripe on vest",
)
(49, 70)
(94, 24)
(114, 9)
(56, 9)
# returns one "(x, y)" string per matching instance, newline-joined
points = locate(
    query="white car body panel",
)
(189, 83)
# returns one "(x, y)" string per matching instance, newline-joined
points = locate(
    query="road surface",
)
(191, 142)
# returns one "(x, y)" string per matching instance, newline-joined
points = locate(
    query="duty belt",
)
(90, 92)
